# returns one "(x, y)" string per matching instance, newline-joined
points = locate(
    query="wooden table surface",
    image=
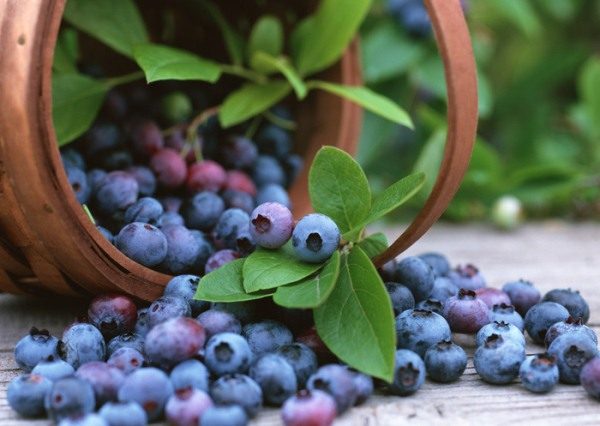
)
(551, 254)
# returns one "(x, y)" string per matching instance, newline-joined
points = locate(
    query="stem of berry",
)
(124, 79)
(278, 121)
(192, 141)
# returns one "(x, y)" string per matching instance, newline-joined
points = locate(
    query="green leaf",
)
(267, 37)
(250, 100)
(357, 322)
(313, 291)
(116, 23)
(265, 269)
(66, 52)
(233, 41)
(321, 42)
(339, 188)
(374, 244)
(282, 65)
(76, 100)
(167, 63)
(589, 91)
(367, 99)
(226, 285)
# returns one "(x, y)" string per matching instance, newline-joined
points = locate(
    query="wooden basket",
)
(47, 243)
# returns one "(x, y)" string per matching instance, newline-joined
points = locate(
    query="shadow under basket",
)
(48, 245)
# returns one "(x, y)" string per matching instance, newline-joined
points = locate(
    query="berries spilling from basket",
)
(199, 363)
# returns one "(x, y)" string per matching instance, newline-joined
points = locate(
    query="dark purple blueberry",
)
(143, 243)
(227, 353)
(438, 262)
(119, 159)
(590, 377)
(523, 295)
(268, 170)
(240, 181)
(169, 167)
(237, 389)
(26, 394)
(271, 225)
(123, 414)
(432, 305)
(273, 193)
(112, 314)
(117, 191)
(150, 388)
(104, 378)
(229, 226)
(126, 359)
(220, 258)
(171, 203)
(184, 287)
(82, 343)
(145, 179)
(266, 336)
(311, 338)
(37, 346)
(169, 218)
(115, 106)
(173, 341)
(206, 176)
(94, 177)
(501, 328)
(507, 313)
(106, 233)
(492, 296)
(388, 271)
(226, 415)
(443, 288)
(72, 158)
(570, 299)
(190, 374)
(237, 152)
(315, 237)
(539, 373)
(541, 317)
(146, 138)
(238, 200)
(216, 321)
(69, 397)
(572, 351)
(302, 359)
(276, 378)
(175, 107)
(497, 361)
(202, 211)
(417, 275)
(186, 406)
(244, 243)
(183, 250)
(315, 408)
(53, 369)
(125, 340)
(418, 329)
(78, 181)
(466, 313)
(467, 277)
(273, 140)
(100, 139)
(445, 361)
(337, 381)
(570, 325)
(205, 251)
(409, 373)
(167, 307)
(292, 164)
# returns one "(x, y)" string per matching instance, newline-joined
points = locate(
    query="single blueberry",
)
(539, 373)
(237, 389)
(541, 317)
(26, 394)
(315, 238)
(417, 275)
(409, 373)
(190, 374)
(37, 346)
(497, 361)
(445, 361)
(150, 388)
(227, 353)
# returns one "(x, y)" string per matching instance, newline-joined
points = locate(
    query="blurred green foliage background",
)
(539, 86)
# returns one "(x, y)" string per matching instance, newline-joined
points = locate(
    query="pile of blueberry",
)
(174, 202)
(196, 363)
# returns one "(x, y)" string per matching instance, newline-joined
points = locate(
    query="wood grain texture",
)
(551, 254)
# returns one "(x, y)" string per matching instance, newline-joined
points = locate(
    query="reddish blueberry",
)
(466, 313)
(112, 314)
(127, 360)
(240, 181)
(206, 176)
(337, 381)
(104, 378)
(590, 377)
(216, 321)
(146, 137)
(173, 341)
(523, 295)
(219, 259)
(492, 296)
(309, 408)
(186, 406)
(271, 225)
(169, 167)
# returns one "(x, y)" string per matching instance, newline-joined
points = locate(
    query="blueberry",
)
(507, 313)
(275, 376)
(106, 234)
(150, 388)
(116, 191)
(570, 299)
(215, 321)
(445, 361)
(190, 374)
(572, 351)
(203, 210)
(146, 137)
(205, 250)
(245, 312)
(143, 243)
(94, 177)
(144, 210)
(227, 415)
(409, 373)
(118, 159)
(523, 295)
(82, 343)
(104, 378)
(266, 336)
(364, 386)
(438, 262)
(206, 176)
(53, 369)
(220, 258)
(230, 225)
(238, 152)
(497, 361)
(227, 353)
(570, 325)
(126, 340)
(506, 330)
(417, 275)
(112, 314)
(443, 288)
(238, 181)
(302, 359)
(85, 420)
(590, 377)
(175, 107)
(271, 225)
(145, 179)
(37, 346)
(268, 170)
(337, 381)
(418, 329)
(186, 406)
(311, 338)
(170, 169)
(492, 296)
(69, 397)
(126, 359)
(72, 158)
(169, 218)
(171, 203)
(26, 394)
(432, 305)
(123, 414)
(177, 140)
(237, 389)
(467, 277)
(466, 313)
(275, 141)
(539, 373)
(173, 341)
(401, 297)
(78, 181)
(238, 200)
(292, 164)
(315, 238)
(541, 317)
(100, 139)
(167, 307)
(416, 21)
(309, 408)
(184, 287)
(183, 249)
(142, 325)
(273, 193)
